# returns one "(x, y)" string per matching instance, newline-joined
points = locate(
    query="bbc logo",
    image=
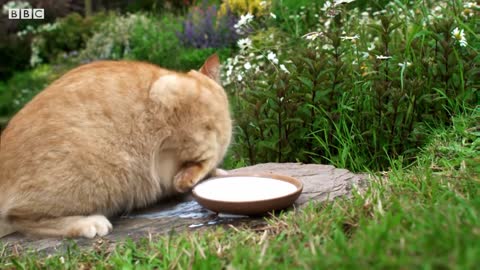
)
(26, 13)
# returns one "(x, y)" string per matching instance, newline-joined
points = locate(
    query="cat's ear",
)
(211, 68)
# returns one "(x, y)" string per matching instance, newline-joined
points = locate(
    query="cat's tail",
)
(5, 228)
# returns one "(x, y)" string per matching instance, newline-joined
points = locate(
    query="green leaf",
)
(294, 120)
(272, 145)
(307, 82)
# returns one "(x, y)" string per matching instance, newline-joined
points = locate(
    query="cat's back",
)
(107, 81)
(87, 94)
(93, 107)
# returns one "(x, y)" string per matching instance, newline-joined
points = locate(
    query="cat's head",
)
(211, 70)
(196, 106)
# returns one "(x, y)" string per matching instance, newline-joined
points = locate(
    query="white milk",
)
(243, 188)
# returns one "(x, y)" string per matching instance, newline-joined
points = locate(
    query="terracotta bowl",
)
(256, 207)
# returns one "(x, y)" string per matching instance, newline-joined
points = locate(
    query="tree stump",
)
(321, 182)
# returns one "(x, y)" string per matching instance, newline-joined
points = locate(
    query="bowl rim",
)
(285, 178)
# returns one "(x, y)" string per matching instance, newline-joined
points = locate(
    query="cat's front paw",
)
(91, 226)
(187, 177)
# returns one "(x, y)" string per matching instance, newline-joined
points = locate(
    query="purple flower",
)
(202, 28)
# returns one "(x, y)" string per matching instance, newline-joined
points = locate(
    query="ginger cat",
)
(108, 137)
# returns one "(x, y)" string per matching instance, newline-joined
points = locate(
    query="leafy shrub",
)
(145, 38)
(136, 37)
(15, 55)
(158, 6)
(162, 47)
(22, 87)
(297, 16)
(67, 35)
(15, 51)
(359, 90)
(113, 38)
(202, 28)
(156, 41)
(189, 58)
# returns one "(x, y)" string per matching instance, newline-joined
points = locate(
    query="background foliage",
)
(358, 87)
(351, 84)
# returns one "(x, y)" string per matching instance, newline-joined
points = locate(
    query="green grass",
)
(424, 216)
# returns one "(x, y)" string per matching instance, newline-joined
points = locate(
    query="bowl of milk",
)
(248, 194)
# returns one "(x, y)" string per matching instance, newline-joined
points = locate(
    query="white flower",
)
(326, 5)
(244, 44)
(383, 57)
(229, 67)
(282, 67)
(247, 66)
(471, 5)
(312, 35)
(404, 64)
(459, 35)
(272, 57)
(339, 2)
(371, 47)
(327, 23)
(244, 20)
(467, 13)
(239, 77)
(47, 27)
(15, 5)
(35, 53)
(327, 47)
(468, 5)
(263, 3)
(273, 15)
(352, 38)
